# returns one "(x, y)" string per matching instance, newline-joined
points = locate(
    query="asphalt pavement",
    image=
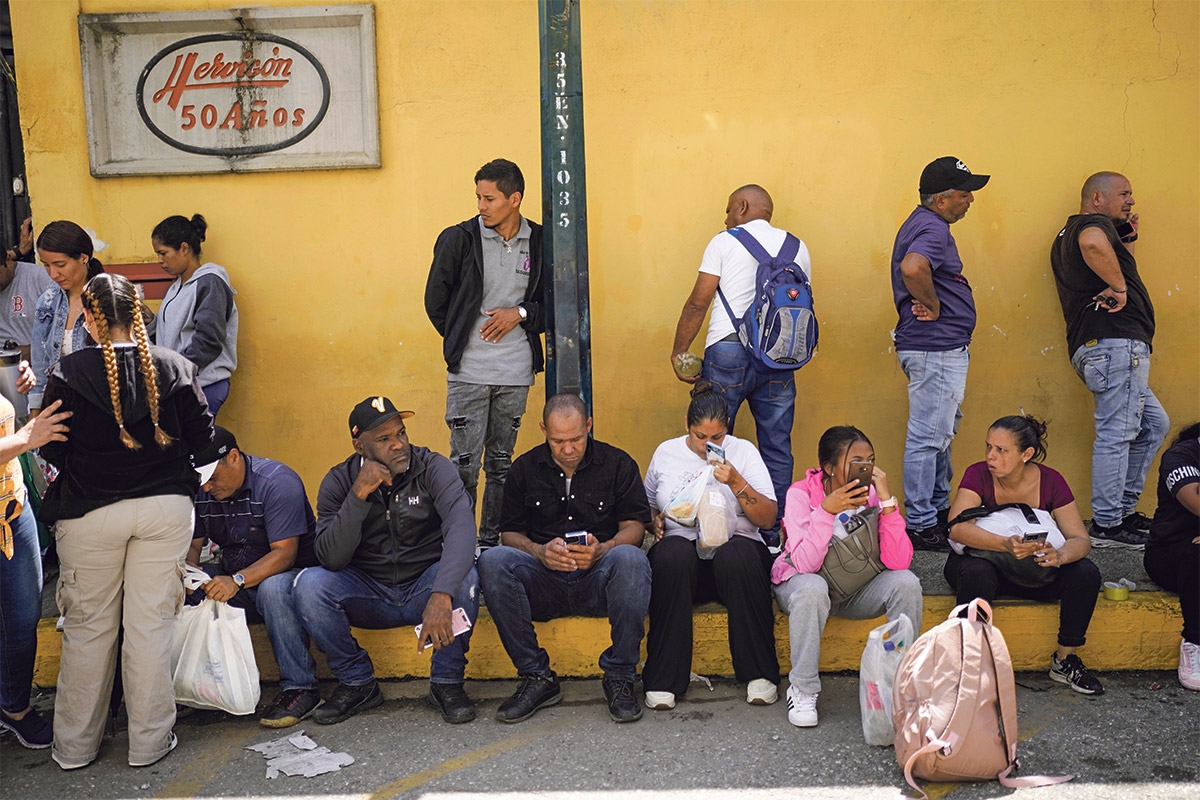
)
(1140, 740)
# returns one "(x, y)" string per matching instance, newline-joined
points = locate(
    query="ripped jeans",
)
(484, 421)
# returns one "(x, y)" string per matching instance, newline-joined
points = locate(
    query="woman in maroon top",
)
(1012, 474)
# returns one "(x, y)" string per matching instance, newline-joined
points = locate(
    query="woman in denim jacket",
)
(66, 250)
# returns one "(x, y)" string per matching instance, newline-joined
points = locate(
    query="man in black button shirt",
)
(570, 484)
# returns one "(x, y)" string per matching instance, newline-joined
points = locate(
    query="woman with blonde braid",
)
(123, 508)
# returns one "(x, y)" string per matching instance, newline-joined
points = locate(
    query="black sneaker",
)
(533, 692)
(452, 701)
(1123, 536)
(931, 538)
(31, 730)
(623, 705)
(346, 701)
(291, 706)
(943, 517)
(1072, 672)
(1137, 521)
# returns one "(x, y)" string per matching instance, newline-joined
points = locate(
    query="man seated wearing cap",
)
(396, 544)
(572, 484)
(257, 512)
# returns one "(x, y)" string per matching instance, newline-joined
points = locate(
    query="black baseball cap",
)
(205, 462)
(948, 173)
(373, 412)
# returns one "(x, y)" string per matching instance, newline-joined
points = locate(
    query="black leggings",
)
(1176, 568)
(739, 576)
(1077, 586)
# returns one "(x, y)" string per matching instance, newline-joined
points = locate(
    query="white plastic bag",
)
(212, 659)
(886, 645)
(684, 506)
(716, 515)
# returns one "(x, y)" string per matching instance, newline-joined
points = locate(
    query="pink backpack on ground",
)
(954, 702)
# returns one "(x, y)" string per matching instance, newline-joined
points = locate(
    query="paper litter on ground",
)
(296, 754)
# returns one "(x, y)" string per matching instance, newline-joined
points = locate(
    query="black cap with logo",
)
(948, 173)
(373, 412)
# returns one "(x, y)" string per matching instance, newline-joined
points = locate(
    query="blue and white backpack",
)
(779, 329)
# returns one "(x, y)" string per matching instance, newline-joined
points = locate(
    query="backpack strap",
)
(982, 511)
(728, 309)
(756, 250)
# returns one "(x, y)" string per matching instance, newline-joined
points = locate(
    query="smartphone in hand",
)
(459, 624)
(862, 472)
(576, 537)
(714, 453)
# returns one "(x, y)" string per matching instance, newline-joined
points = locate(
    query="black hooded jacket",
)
(454, 290)
(95, 468)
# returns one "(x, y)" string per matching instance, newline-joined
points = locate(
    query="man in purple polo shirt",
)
(936, 319)
(257, 512)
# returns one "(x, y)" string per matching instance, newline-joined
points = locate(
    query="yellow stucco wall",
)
(834, 107)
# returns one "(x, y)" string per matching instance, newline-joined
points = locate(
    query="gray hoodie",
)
(199, 320)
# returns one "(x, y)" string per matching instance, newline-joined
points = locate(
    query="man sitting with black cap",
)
(257, 512)
(936, 319)
(396, 543)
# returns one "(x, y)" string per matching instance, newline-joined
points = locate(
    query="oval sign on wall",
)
(232, 94)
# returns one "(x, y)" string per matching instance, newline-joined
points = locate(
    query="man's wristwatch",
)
(521, 310)
(240, 580)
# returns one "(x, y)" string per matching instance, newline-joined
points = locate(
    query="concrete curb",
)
(1140, 633)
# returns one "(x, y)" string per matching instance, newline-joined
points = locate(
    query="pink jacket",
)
(809, 528)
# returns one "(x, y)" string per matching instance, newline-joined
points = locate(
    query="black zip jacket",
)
(400, 531)
(95, 468)
(454, 290)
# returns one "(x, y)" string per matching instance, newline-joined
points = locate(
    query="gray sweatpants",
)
(805, 598)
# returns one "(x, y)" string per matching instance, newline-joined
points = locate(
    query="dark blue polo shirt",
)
(926, 233)
(270, 506)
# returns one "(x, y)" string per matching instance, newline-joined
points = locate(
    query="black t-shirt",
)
(1077, 285)
(1180, 466)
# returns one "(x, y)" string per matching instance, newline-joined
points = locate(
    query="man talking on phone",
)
(1110, 328)
(396, 542)
(572, 524)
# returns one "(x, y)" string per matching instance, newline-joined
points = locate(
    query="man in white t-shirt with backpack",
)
(730, 267)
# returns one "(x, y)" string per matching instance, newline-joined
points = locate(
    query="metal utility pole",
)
(564, 203)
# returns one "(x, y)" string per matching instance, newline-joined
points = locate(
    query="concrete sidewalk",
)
(1140, 740)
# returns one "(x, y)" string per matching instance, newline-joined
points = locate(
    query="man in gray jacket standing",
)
(396, 543)
(485, 296)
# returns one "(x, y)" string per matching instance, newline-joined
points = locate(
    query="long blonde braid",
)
(149, 374)
(110, 368)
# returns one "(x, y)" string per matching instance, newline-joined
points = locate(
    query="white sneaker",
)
(802, 708)
(1189, 665)
(761, 692)
(660, 700)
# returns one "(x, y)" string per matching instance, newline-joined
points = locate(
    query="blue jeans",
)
(1130, 423)
(484, 422)
(937, 382)
(20, 609)
(519, 590)
(772, 399)
(216, 394)
(272, 603)
(330, 601)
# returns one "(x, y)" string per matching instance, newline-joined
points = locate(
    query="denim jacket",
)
(49, 322)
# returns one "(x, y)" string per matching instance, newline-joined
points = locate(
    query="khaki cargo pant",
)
(120, 564)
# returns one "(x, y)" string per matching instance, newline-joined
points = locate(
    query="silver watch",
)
(521, 310)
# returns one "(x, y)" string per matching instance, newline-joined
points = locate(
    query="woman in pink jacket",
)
(812, 517)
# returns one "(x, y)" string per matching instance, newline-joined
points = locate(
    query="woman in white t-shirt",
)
(735, 574)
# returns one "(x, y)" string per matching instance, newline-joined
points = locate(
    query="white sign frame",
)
(120, 51)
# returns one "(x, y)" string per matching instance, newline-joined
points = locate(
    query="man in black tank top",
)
(1110, 329)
